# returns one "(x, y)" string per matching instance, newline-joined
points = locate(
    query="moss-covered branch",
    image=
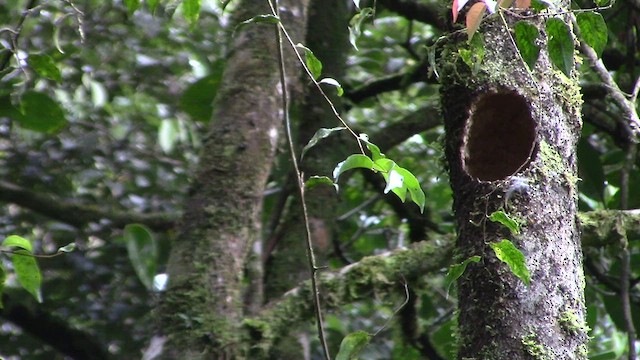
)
(381, 274)
(605, 227)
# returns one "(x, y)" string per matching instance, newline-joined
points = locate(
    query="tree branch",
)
(632, 123)
(52, 330)
(389, 83)
(79, 215)
(371, 275)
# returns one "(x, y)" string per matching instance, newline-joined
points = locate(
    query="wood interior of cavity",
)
(499, 136)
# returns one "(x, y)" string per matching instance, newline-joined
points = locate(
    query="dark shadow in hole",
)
(499, 136)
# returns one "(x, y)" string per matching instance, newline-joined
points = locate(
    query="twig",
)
(632, 123)
(313, 268)
(4, 62)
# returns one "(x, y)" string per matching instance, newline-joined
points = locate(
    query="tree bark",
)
(202, 309)
(511, 145)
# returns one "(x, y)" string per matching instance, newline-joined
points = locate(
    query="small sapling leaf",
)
(333, 82)
(17, 241)
(313, 64)
(67, 248)
(28, 273)
(314, 181)
(355, 25)
(456, 270)
(352, 162)
(319, 135)
(268, 18)
(510, 255)
(504, 219)
(143, 252)
(352, 345)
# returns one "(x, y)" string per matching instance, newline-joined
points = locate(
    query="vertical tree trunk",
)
(202, 308)
(511, 145)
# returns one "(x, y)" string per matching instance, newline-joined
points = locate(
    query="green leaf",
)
(143, 252)
(314, 65)
(355, 25)
(539, 5)
(413, 185)
(474, 55)
(197, 99)
(456, 270)
(38, 112)
(400, 180)
(352, 345)
(26, 268)
(593, 30)
(191, 10)
(70, 247)
(17, 241)
(132, 5)
(152, 4)
(352, 162)
(510, 255)
(526, 36)
(268, 18)
(45, 66)
(168, 134)
(375, 150)
(319, 135)
(314, 181)
(504, 219)
(333, 82)
(560, 45)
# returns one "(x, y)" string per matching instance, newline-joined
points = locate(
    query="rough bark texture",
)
(510, 146)
(202, 307)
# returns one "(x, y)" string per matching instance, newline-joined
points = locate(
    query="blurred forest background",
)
(115, 98)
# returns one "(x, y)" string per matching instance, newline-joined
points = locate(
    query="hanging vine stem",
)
(283, 31)
(313, 268)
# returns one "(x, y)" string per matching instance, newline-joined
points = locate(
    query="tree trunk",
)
(511, 146)
(202, 309)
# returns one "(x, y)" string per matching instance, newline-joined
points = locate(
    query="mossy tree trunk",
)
(202, 310)
(511, 141)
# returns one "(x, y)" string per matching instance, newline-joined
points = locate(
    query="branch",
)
(4, 62)
(379, 274)
(601, 227)
(79, 215)
(389, 83)
(632, 123)
(52, 330)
